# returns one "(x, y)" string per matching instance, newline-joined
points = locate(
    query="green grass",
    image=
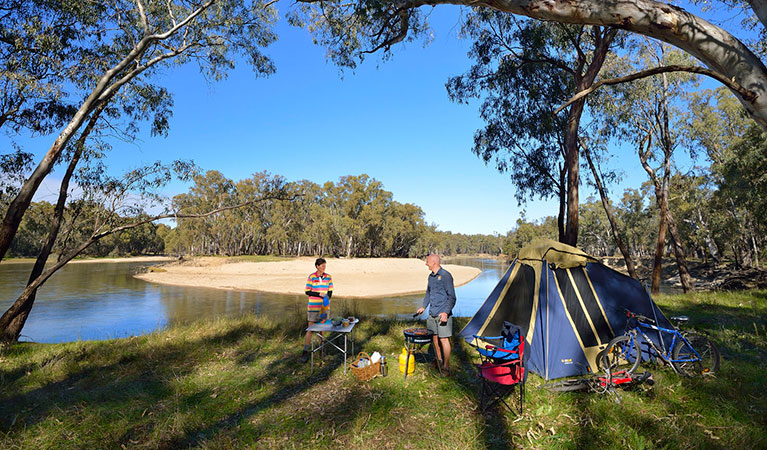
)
(239, 383)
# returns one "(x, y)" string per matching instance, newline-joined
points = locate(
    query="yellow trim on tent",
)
(499, 300)
(548, 308)
(583, 306)
(599, 302)
(575, 330)
(536, 298)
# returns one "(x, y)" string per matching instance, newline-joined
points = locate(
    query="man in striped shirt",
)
(319, 288)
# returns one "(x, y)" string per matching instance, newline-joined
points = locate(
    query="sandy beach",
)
(358, 277)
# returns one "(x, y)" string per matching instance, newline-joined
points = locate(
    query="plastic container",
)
(403, 360)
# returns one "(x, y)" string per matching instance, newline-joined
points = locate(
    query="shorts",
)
(443, 331)
(313, 316)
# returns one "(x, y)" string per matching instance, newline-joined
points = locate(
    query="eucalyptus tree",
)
(647, 112)
(693, 206)
(130, 41)
(638, 219)
(40, 45)
(596, 237)
(600, 178)
(732, 143)
(525, 70)
(351, 29)
(745, 187)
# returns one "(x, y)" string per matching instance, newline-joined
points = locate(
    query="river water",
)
(103, 301)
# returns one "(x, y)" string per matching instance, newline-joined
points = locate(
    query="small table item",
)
(339, 331)
(415, 338)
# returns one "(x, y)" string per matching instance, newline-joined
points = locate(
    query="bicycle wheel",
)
(622, 353)
(688, 363)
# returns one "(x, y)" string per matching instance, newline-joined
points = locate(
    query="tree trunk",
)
(13, 320)
(679, 253)
(603, 39)
(708, 239)
(562, 204)
(613, 225)
(657, 265)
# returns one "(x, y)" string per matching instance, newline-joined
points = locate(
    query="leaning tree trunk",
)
(13, 320)
(613, 225)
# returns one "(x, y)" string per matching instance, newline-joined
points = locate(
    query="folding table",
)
(337, 332)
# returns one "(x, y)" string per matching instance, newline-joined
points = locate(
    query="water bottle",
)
(383, 365)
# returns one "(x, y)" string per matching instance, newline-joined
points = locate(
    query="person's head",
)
(320, 264)
(432, 262)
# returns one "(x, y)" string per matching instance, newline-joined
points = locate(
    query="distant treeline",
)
(357, 217)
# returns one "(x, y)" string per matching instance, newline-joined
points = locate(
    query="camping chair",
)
(501, 367)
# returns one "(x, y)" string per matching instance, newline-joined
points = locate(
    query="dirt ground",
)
(706, 277)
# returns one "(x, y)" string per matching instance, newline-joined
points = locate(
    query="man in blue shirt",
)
(440, 298)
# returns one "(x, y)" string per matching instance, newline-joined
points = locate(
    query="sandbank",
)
(354, 277)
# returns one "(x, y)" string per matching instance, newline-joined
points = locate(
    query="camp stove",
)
(415, 339)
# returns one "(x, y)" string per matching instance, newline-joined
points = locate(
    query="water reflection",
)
(102, 301)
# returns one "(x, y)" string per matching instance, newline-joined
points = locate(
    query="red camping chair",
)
(501, 369)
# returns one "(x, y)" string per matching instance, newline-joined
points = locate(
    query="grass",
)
(239, 383)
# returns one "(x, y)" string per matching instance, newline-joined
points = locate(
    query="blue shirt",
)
(440, 293)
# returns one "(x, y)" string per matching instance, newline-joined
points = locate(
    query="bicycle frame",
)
(665, 356)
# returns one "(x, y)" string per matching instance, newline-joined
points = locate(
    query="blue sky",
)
(390, 120)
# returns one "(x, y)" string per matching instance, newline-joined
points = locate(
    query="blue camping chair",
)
(501, 366)
(501, 348)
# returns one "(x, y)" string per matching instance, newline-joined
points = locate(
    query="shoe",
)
(445, 372)
(305, 356)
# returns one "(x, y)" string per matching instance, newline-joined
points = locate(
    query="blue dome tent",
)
(568, 304)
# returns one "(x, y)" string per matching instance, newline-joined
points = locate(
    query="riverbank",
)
(355, 277)
(239, 383)
(121, 259)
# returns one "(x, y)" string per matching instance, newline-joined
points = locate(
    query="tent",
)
(569, 305)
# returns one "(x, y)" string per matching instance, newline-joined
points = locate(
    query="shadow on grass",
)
(496, 433)
(339, 414)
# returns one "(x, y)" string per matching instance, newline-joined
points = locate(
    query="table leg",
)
(311, 367)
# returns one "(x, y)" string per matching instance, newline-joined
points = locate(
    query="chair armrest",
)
(494, 348)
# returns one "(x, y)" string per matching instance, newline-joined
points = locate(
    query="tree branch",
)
(746, 94)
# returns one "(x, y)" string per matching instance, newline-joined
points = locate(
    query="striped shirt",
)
(321, 285)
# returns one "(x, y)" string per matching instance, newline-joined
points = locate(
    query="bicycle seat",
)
(680, 318)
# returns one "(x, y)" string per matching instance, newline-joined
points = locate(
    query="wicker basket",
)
(368, 372)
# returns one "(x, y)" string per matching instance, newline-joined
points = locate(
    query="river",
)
(103, 300)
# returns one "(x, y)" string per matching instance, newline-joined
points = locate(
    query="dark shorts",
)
(443, 331)
(313, 316)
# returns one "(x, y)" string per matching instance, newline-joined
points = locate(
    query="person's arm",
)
(450, 291)
(330, 287)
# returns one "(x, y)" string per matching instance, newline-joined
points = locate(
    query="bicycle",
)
(689, 353)
(601, 384)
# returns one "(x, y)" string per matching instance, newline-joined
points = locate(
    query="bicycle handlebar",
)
(639, 317)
